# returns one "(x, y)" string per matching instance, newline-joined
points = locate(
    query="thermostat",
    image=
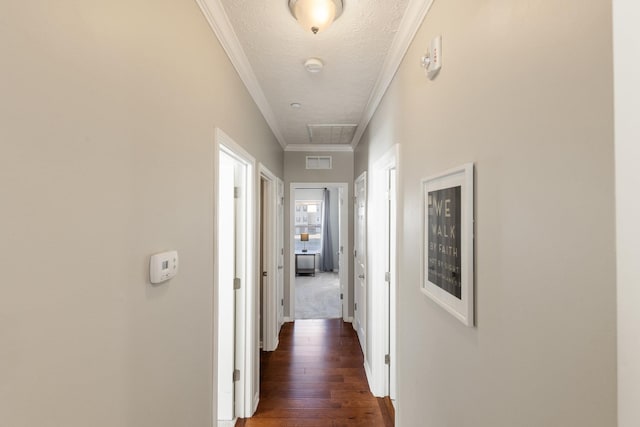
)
(163, 266)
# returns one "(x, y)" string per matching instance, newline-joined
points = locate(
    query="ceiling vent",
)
(331, 133)
(319, 162)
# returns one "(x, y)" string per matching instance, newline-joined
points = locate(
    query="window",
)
(308, 220)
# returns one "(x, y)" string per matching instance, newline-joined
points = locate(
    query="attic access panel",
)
(331, 133)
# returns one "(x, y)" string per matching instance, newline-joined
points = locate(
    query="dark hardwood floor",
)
(316, 379)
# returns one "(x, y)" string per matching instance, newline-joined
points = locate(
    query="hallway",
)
(114, 117)
(316, 379)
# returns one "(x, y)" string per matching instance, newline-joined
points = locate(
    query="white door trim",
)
(246, 337)
(381, 199)
(344, 243)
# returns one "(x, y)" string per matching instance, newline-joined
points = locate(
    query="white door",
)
(280, 252)
(227, 225)
(238, 355)
(342, 265)
(265, 265)
(391, 268)
(360, 263)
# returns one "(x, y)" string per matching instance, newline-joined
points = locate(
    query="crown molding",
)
(319, 148)
(413, 17)
(219, 22)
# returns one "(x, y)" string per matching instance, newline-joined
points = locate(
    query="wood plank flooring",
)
(316, 379)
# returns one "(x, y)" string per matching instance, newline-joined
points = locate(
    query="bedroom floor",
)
(318, 297)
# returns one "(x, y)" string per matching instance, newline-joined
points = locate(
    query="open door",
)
(382, 284)
(360, 261)
(343, 263)
(231, 231)
(233, 325)
(392, 283)
(280, 252)
(271, 280)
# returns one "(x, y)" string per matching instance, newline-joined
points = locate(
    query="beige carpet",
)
(318, 297)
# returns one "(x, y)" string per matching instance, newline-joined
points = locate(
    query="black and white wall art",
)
(447, 243)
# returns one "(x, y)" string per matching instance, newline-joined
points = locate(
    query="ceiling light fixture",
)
(315, 15)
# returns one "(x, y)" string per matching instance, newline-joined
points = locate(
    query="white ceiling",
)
(361, 51)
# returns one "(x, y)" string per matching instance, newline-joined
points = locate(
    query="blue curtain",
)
(327, 243)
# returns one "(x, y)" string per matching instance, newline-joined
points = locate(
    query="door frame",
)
(344, 243)
(383, 255)
(245, 329)
(269, 251)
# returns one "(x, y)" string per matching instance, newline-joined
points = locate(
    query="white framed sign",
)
(447, 241)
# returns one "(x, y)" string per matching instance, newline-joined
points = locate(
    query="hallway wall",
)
(520, 95)
(107, 120)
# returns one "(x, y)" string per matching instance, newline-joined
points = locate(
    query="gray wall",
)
(519, 94)
(107, 121)
(295, 171)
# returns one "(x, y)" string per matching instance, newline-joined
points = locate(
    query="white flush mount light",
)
(314, 65)
(315, 15)
(295, 105)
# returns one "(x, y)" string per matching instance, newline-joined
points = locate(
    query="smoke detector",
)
(313, 65)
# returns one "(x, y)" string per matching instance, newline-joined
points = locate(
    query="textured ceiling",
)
(354, 50)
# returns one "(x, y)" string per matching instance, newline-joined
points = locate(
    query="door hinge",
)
(264, 274)
(236, 192)
(236, 283)
(341, 296)
(236, 375)
(355, 306)
(355, 253)
(387, 276)
(282, 302)
(341, 249)
(387, 359)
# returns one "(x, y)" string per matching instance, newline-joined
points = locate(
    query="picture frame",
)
(447, 251)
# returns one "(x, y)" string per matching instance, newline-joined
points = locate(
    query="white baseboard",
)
(367, 371)
(227, 423)
(256, 400)
(287, 319)
(348, 320)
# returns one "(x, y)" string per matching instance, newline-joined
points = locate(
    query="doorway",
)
(383, 284)
(318, 281)
(233, 318)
